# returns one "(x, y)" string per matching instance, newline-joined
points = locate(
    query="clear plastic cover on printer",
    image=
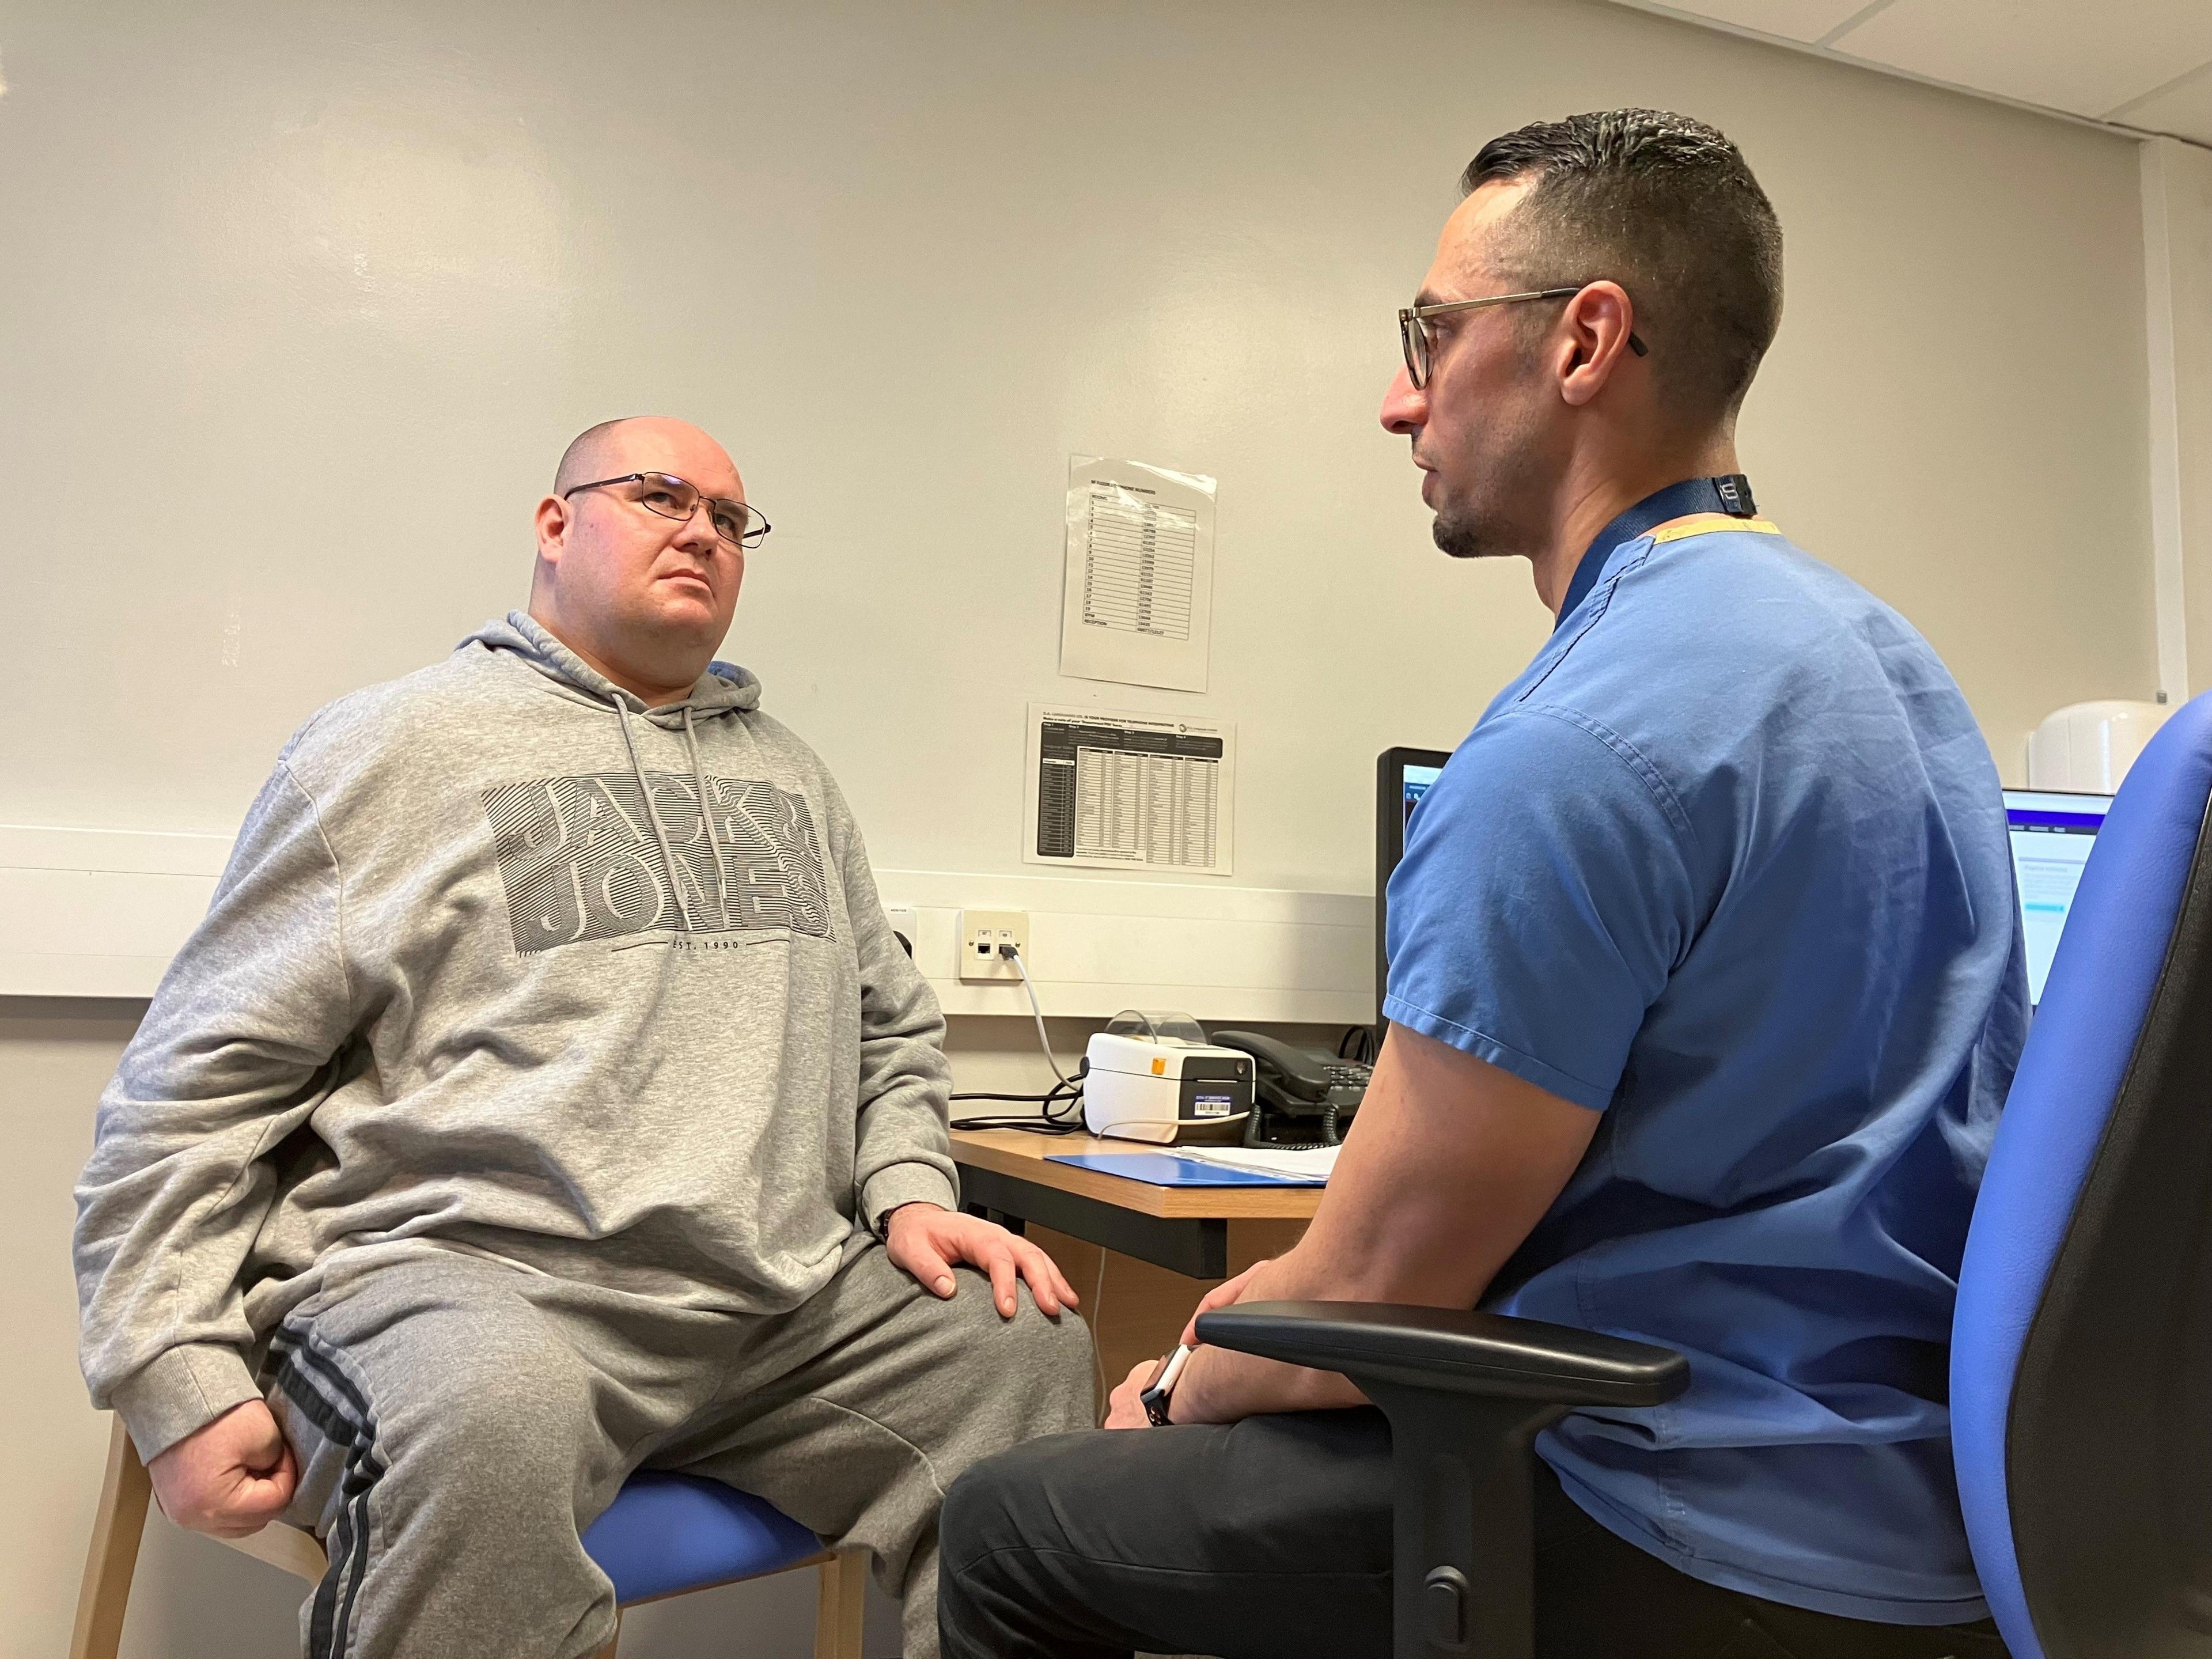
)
(1157, 1025)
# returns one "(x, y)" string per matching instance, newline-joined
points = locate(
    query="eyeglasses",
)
(676, 498)
(1420, 340)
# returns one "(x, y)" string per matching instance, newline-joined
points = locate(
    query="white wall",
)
(2177, 197)
(298, 302)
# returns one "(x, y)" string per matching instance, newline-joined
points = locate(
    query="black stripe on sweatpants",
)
(331, 1622)
(353, 1426)
(354, 1429)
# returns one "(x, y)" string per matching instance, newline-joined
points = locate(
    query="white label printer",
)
(1154, 1077)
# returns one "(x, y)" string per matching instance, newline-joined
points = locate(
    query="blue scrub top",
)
(1727, 863)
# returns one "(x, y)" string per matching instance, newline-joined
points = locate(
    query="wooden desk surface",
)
(1021, 1155)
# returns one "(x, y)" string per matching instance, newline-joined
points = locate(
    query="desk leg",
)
(1138, 1309)
(1012, 1223)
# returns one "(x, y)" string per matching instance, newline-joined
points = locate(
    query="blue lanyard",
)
(1730, 494)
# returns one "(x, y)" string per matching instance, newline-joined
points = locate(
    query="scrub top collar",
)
(1730, 494)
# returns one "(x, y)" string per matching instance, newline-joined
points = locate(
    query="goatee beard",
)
(1462, 538)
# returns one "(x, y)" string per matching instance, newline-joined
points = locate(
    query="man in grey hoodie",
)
(545, 1097)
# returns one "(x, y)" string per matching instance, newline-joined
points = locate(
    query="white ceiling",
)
(2142, 63)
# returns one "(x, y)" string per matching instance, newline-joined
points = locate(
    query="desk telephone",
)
(1300, 1099)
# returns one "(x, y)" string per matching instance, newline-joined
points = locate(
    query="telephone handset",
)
(1300, 1098)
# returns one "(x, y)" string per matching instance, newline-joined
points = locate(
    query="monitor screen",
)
(2051, 835)
(1402, 776)
(1413, 783)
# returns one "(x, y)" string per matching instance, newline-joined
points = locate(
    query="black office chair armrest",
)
(1452, 1351)
(1466, 1394)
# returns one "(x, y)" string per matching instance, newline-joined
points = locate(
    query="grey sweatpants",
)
(460, 1423)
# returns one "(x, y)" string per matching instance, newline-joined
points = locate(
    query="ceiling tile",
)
(1793, 19)
(2064, 54)
(2183, 109)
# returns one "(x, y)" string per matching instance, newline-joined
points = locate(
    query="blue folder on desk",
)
(1165, 1170)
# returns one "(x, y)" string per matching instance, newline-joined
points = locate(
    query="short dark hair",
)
(1665, 206)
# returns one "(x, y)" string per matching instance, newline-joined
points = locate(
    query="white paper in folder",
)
(1315, 1164)
(1138, 604)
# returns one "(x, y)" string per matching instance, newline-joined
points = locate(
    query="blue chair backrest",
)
(2081, 1351)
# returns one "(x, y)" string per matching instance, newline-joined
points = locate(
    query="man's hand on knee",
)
(929, 1242)
(230, 1477)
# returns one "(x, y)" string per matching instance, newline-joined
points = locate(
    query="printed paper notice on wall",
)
(1138, 607)
(1111, 790)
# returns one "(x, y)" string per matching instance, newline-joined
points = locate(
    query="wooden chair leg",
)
(614, 1641)
(292, 1548)
(839, 1606)
(104, 1595)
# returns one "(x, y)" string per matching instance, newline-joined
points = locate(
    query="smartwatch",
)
(1154, 1397)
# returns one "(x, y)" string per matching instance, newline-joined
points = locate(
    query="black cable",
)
(1046, 1123)
(1071, 1083)
(1035, 1125)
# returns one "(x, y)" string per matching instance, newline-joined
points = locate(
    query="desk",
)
(1139, 1256)
(1004, 1173)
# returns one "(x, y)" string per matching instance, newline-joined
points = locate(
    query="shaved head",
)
(580, 460)
(655, 443)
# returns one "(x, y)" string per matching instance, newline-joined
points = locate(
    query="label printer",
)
(1153, 1077)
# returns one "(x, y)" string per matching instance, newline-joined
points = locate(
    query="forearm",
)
(1220, 1386)
(183, 1390)
(902, 1149)
(904, 1154)
(168, 1208)
(1450, 1163)
(1410, 1246)
(230, 1059)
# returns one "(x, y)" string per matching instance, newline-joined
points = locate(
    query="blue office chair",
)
(2081, 1350)
(665, 1534)
(2081, 1347)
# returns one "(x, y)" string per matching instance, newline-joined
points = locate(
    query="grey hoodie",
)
(481, 975)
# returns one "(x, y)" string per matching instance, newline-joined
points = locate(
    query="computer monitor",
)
(1402, 776)
(2051, 835)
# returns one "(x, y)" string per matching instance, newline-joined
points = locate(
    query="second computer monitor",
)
(1402, 776)
(2051, 835)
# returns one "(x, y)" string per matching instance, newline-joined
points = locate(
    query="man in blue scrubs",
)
(1706, 986)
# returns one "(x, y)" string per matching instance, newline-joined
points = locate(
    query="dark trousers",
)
(1270, 1539)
